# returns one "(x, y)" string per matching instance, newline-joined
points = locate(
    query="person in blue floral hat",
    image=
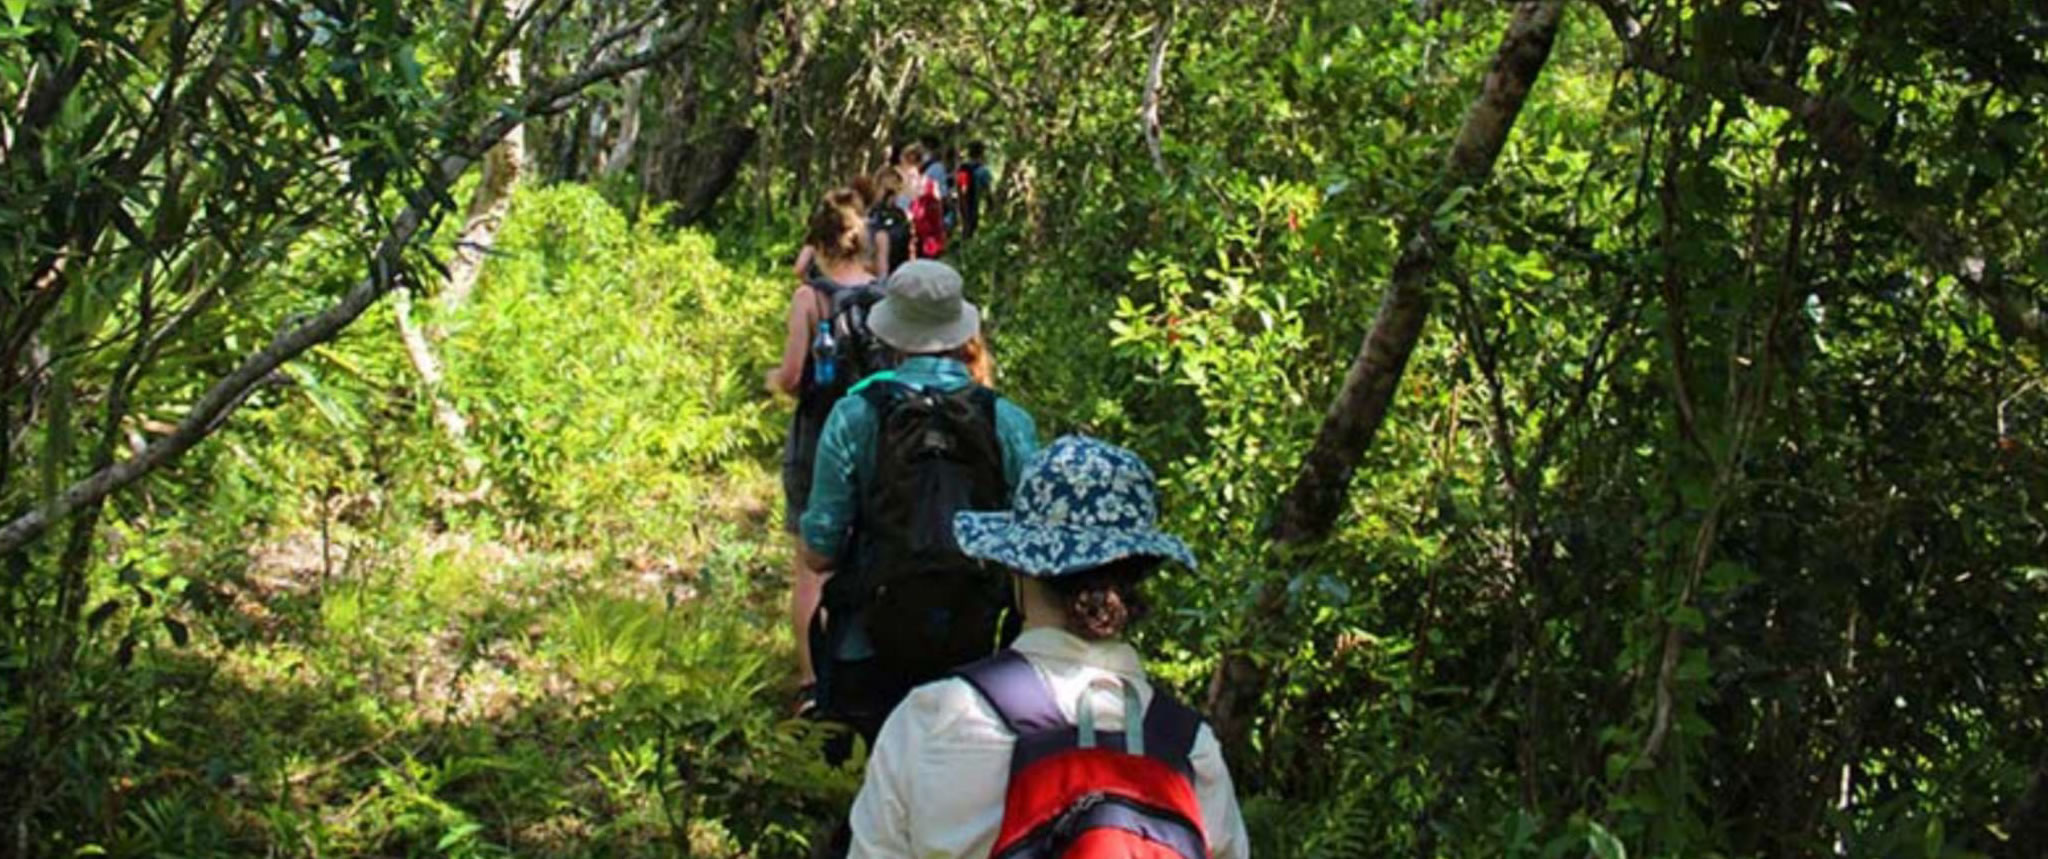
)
(1081, 538)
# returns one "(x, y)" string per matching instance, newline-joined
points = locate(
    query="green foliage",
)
(1706, 519)
(604, 440)
(345, 648)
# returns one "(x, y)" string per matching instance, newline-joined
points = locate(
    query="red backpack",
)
(928, 220)
(1077, 794)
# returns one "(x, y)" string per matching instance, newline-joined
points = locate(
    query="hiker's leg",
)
(805, 591)
(797, 452)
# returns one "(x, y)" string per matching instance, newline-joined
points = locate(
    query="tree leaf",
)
(99, 616)
(458, 834)
(1603, 843)
(180, 636)
(1451, 202)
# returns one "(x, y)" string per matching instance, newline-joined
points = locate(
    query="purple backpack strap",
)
(1020, 697)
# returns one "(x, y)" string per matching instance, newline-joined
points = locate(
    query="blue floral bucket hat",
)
(1080, 504)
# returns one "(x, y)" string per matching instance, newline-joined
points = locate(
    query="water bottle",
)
(824, 356)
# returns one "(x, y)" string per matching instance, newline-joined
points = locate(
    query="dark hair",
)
(836, 230)
(864, 187)
(977, 150)
(1102, 602)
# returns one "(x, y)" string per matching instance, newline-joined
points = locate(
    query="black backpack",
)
(859, 355)
(927, 608)
(887, 217)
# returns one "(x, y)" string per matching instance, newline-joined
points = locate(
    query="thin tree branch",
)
(1148, 113)
(1832, 126)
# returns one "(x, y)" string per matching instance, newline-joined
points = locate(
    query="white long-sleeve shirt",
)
(941, 766)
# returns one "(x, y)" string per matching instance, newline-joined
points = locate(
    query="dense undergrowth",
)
(1706, 518)
(556, 637)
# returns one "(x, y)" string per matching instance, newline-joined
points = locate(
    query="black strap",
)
(1019, 696)
(825, 290)
(881, 395)
(985, 400)
(1170, 729)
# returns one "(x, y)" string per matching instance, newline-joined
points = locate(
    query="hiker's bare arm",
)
(880, 263)
(803, 262)
(817, 563)
(786, 378)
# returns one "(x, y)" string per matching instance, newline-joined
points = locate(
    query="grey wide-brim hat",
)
(1080, 504)
(922, 312)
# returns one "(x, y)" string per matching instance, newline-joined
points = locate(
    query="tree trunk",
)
(493, 195)
(1310, 508)
(716, 171)
(488, 205)
(621, 153)
(420, 353)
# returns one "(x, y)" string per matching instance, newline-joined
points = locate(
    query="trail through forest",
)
(1611, 427)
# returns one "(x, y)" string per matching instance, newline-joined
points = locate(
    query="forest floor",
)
(465, 692)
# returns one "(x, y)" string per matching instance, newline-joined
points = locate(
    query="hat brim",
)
(1051, 551)
(922, 338)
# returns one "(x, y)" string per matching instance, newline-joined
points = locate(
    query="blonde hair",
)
(888, 182)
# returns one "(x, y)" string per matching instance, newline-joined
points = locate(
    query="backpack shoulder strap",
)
(1170, 730)
(878, 389)
(984, 401)
(1013, 688)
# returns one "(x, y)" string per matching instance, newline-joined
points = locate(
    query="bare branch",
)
(605, 42)
(1148, 114)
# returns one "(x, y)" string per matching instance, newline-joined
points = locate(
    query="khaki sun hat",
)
(923, 312)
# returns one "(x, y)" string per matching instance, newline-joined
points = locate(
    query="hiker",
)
(888, 223)
(1026, 753)
(897, 457)
(812, 371)
(951, 164)
(909, 164)
(867, 194)
(928, 200)
(971, 183)
(851, 199)
(934, 166)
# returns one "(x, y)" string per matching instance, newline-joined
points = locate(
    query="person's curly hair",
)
(1101, 603)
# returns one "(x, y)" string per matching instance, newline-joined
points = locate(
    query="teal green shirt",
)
(846, 449)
